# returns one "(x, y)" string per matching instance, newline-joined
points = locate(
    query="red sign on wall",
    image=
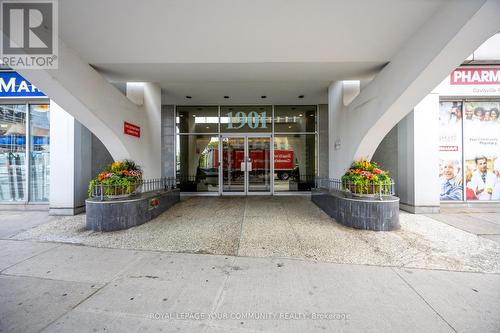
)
(475, 75)
(131, 129)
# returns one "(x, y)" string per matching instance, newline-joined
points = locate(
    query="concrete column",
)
(335, 117)
(323, 141)
(418, 158)
(147, 96)
(70, 163)
(152, 108)
(168, 140)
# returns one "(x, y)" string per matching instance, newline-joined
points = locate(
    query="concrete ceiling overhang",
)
(242, 49)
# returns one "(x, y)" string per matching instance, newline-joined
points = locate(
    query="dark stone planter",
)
(359, 213)
(129, 212)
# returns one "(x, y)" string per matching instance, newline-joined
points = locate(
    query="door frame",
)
(245, 137)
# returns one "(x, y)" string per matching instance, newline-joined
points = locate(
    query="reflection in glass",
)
(245, 119)
(294, 162)
(39, 152)
(12, 152)
(259, 164)
(198, 163)
(233, 164)
(197, 119)
(299, 118)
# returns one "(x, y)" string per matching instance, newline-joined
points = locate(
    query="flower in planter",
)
(365, 177)
(118, 178)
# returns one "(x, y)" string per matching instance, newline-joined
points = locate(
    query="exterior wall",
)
(76, 157)
(82, 165)
(426, 158)
(168, 141)
(70, 163)
(410, 153)
(386, 155)
(100, 156)
(323, 140)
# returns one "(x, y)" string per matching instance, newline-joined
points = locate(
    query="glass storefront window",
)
(470, 170)
(244, 135)
(198, 163)
(12, 152)
(197, 119)
(39, 152)
(246, 119)
(482, 150)
(294, 162)
(295, 119)
(450, 150)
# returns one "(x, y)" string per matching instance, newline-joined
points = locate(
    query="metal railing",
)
(365, 190)
(103, 192)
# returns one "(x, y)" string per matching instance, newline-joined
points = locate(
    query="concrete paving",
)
(13, 222)
(166, 292)
(248, 265)
(486, 225)
(286, 227)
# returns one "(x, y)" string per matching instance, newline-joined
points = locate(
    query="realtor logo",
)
(29, 34)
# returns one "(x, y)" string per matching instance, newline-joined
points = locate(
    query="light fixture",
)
(194, 115)
(289, 126)
(300, 115)
(226, 97)
(301, 96)
(263, 96)
(208, 127)
(188, 97)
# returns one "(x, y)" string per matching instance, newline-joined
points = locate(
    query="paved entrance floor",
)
(286, 227)
(277, 274)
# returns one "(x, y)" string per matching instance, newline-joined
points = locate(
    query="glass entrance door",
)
(246, 165)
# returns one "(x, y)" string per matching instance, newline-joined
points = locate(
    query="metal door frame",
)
(245, 136)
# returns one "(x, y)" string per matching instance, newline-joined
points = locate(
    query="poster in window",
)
(450, 151)
(482, 150)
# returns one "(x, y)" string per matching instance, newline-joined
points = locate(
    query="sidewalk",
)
(274, 265)
(52, 287)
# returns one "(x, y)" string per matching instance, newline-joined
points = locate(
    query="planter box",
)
(359, 213)
(129, 212)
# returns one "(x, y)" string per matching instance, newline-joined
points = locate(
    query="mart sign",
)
(14, 85)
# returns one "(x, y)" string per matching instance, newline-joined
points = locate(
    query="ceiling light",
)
(188, 97)
(226, 97)
(289, 126)
(194, 115)
(301, 96)
(208, 127)
(263, 96)
(300, 114)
